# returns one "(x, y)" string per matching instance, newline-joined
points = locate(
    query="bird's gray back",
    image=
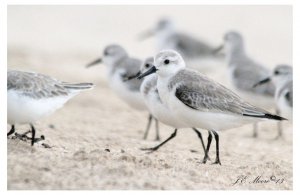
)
(188, 46)
(201, 93)
(247, 73)
(36, 85)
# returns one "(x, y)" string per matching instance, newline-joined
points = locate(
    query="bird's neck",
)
(235, 54)
(162, 87)
(281, 85)
(164, 34)
(281, 81)
(114, 65)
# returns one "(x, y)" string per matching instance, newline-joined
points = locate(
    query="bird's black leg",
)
(161, 144)
(39, 139)
(207, 148)
(11, 131)
(279, 126)
(255, 127)
(33, 139)
(157, 130)
(217, 161)
(148, 126)
(200, 137)
(22, 136)
(32, 134)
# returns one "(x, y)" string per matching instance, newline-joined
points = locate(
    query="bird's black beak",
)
(146, 34)
(93, 63)
(218, 49)
(133, 77)
(262, 82)
(153, 69)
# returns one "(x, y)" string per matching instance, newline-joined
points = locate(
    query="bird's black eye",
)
(276, 72)
(106, 53)
(166, 61)
(147, 65)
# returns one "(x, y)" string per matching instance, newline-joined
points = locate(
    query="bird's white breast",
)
(133, 98)
(23, 109)
(160, 110)
(286, 110)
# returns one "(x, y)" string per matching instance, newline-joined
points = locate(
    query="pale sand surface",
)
(59, 41)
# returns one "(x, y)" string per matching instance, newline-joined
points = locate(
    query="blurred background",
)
(60, 40)
(86, 30)
(71, 36)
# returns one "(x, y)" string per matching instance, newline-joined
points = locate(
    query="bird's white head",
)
(165, 24)
(163, 28)
(113, 53)
(147, 64)
(168, 63)
(281, 73)
(233, 43)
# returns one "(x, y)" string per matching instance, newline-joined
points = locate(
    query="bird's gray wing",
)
(35, 85)
(203, 94)
(131, 67)
(247, 73)
(189, 46)
(288, 90)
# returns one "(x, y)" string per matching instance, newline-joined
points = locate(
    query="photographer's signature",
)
(244, 179)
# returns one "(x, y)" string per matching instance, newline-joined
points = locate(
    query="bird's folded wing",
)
(35, 85)
(204, 94)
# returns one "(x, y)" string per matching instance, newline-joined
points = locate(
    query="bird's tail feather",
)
(267, 116)
(78, 86)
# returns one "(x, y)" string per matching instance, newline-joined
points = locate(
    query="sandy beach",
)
(95, 139)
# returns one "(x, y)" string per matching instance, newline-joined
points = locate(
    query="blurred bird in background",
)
(244, 72)
(120, 67)
(282, 78)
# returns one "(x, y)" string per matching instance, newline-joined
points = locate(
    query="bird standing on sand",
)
(32, 96)
(244, 72)
(159, 110)
(120, 67)
(283, 79)
(199, 101)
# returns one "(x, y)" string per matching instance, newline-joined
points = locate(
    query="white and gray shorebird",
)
(199, 101)
(159, 110)
(32, 96)
(120, 67)
(282, 77)
(169, 38)
(244, 72)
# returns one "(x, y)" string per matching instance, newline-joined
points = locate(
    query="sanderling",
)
(283, 79)
(188, 46)
(156, 107)
(120, 67)
(245, 72)
(32, 96)
(199, 101)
